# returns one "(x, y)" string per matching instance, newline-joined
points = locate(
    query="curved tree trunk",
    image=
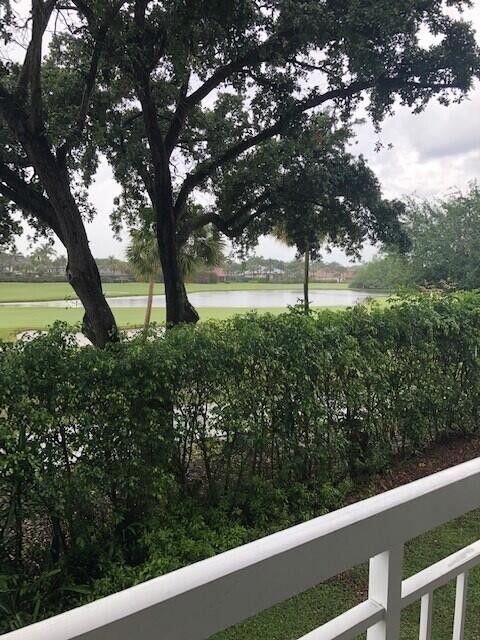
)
(82, 272)
(306, 277)
(98, 322)
(179, 308)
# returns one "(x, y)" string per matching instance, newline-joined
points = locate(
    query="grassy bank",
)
(37, 291)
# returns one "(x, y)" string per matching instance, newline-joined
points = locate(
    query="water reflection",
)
(254, 299)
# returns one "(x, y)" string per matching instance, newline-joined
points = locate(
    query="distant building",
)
(324, 275)
(114, 275)
(12, 262)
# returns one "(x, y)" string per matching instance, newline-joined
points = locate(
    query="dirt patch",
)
(436, 458)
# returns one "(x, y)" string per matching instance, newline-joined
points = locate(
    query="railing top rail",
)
(203, 598)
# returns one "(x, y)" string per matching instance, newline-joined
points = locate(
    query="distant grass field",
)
(37, 291)
(13, 320)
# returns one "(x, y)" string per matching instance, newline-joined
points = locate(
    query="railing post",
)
(425, 632)
(460, 604)
(385, 587)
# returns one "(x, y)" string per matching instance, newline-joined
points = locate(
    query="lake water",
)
(254, 299)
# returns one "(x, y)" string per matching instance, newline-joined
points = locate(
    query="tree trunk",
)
(306, 276)
(98, 322)
(178, 306)
(148, 312)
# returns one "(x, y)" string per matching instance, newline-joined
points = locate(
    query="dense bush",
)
(390, 272)
(123, 463)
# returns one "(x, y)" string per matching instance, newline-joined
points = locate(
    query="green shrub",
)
(120, 464)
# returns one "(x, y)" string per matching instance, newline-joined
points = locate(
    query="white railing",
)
(199, 600)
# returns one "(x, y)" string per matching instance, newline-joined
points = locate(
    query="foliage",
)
(389, 272)
(245, 102)
(444, 247)
(446, 241)
(212, 435)
(142, 254)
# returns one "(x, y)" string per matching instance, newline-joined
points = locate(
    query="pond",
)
(254, 299)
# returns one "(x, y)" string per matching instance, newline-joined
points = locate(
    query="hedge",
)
(256, 422)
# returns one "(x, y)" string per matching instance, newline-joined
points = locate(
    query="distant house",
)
(221, 274)
(12, 262)
(323, 275)
(349, 274)
(114, 275)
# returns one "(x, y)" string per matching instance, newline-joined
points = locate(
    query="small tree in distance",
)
(142, 255)
(304, 248)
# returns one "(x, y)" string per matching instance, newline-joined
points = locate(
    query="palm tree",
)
(205, 248)
(142, 254)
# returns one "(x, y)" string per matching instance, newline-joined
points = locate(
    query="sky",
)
(427, 155)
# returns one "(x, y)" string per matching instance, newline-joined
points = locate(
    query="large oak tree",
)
(198, 89)
(189, 93)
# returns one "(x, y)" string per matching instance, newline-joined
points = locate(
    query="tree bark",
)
(98, 322)
(179, 309)
(306, 277)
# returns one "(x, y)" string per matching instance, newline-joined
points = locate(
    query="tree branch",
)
(100, 39)
(255, 56)
(27, 198)
(30, 77)
(206, 169)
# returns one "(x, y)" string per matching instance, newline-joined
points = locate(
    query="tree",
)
(44, 126)
(322, 195)
(282, 233)
(142, 255)
(445, 239)
(387, 272)
(42, 258)
(204, 248)
(202, 89)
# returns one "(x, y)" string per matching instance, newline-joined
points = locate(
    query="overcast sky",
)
(433, 153)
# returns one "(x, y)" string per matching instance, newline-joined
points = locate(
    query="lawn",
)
(302, 614)
(15, 319)
(37, 291)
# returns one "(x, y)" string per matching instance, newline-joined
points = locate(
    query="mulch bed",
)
(438, 457)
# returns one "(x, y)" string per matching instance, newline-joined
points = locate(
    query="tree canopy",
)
(45, 159)
(446, 241)
(191, 91)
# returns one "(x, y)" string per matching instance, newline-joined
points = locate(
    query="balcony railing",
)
(199, 600)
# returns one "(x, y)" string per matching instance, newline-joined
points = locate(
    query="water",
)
(253, 299)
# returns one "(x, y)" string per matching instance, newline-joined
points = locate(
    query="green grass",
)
(303, 613)
(16, 319)
(37, 291)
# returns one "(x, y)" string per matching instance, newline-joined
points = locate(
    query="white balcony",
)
(195, 602)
